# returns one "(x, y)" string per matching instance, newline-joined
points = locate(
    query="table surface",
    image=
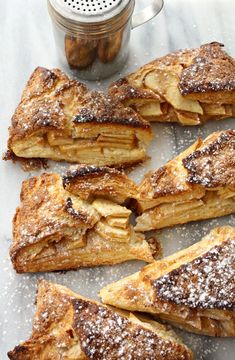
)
(26, 42)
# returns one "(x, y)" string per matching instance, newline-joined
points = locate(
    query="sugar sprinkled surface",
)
(107, 335)
(206, 282)
(18, 291)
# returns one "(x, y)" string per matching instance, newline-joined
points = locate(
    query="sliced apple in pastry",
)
(188, 86)
(69, 326)
(193, 289)
(56, 229)
(198, 184)
(60, 119)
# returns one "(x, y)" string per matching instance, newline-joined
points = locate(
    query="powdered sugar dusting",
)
(214, 164)
(106, 335)
(18, 291)
(211, 70)
(206, 282)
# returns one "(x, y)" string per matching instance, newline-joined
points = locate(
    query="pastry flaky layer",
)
(65, 223)
(60, 119)
(188, 86)
(198, 184)
(193, 289)
(69, 326)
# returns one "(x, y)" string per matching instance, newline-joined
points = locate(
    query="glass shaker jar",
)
(92, 36)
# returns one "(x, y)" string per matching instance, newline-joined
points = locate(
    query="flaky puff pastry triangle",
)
(60, 119)
(198, 184)
(56, 229)
(193, 289)
(188, 86)
(69, 326)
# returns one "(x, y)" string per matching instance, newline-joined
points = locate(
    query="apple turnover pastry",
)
(193, 289)
(69, 326)
(189, 86)
(79, 224)
(198, 184)
(60, 119)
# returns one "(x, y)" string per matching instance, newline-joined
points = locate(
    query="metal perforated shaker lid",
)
(89, 11)
(91, 7)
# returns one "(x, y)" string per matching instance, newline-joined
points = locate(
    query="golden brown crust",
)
(61, 119)
(100, 109)
(198, 184)
(212, 70)
(82, 225)
(37, 111)
(90, 181)
(44, 204)
(106, 335)
(51, 327)
(192, 289)
(188, 86)
(213, 165)
(202, 283)
(69, 326)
